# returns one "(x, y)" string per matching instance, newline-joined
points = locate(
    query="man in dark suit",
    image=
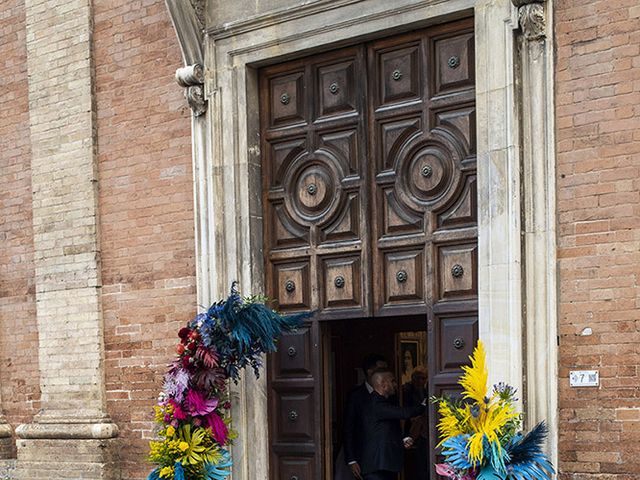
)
(383, 444)
(353, 425)
(413, 393)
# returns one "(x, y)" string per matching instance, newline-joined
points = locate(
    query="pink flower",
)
(218, 427)
(445, 470)
(198, 404)
(178, 412)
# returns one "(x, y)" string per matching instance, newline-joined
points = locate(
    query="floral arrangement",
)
(480, 433)
(193, 409)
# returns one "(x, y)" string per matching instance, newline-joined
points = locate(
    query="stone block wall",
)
(146, 211)
(20, 390)
(598, 143)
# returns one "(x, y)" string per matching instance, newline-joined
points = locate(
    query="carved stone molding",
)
(532, 21)
(188, 21)
(192, 79)
(521, 3)
(198, 7)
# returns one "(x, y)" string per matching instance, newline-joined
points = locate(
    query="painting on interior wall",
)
(411, 351)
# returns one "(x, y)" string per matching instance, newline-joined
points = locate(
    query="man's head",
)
(384, 382)
(419, 377)
(372, 362)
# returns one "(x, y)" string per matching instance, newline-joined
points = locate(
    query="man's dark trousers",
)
(381, 475)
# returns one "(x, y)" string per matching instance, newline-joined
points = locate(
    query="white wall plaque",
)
(584, 378)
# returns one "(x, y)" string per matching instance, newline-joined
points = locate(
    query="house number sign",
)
(584, 378)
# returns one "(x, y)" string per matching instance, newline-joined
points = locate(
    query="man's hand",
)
(408, 442)
(355, 469)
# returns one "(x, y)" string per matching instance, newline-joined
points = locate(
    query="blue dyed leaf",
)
(489, 473)
(220, 470)
(155, 475)
(178, 473)
(456, 453)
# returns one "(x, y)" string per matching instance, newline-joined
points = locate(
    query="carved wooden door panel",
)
(316, 234)
(315, 189)
(422, 138)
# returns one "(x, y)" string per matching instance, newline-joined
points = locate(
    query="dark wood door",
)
(369, 211)
(424, 199)
(316, 233)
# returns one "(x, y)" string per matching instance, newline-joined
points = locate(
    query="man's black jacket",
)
(382, 447)
(356, 401)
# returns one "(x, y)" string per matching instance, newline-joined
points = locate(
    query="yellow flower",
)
(166, 472)
(199, 446)
(183, 446)
(474, 380)
(170, 431)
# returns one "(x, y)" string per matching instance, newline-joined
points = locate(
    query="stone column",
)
(72, 431)
(539, 202)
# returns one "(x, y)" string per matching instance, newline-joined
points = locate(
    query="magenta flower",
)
(198, 404)
(178, 412)
(218, 428)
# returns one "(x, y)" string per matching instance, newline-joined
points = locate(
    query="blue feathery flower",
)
(456, 453)
(240, 332)
(527, 459)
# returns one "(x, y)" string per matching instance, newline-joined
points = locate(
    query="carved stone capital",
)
(192, 79)
(532, 20)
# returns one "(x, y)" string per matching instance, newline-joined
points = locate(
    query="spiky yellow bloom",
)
(166, 472)
(170, 431)
(474, 380)
(449, 424)
(489, 424)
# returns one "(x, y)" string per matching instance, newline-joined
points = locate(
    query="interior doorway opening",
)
(402, 341)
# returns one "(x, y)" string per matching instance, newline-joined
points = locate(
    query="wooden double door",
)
(370, 210)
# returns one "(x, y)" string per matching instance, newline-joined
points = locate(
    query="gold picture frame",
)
(411, 351)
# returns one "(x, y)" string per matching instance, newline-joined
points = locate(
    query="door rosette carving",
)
(313, 192)
(428, 169)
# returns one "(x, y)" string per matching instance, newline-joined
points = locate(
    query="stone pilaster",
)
(73, 430)
(539, 228)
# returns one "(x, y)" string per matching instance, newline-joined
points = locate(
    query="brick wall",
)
(598, 145)
(19, 338)
(146, 210)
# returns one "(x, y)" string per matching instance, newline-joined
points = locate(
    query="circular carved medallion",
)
(313, 190)
(427, 183)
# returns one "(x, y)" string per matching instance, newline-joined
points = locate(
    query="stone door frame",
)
(516, 174)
